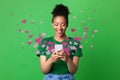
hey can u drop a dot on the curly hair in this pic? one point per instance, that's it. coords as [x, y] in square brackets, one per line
[60, 10]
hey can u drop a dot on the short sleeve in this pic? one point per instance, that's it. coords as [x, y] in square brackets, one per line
[41, 48]
[78, 51]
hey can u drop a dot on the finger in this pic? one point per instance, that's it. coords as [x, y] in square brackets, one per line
[60, 53]
[54, 53]
[57, 57]
[61, 50]
[58, 50]
[65, 54]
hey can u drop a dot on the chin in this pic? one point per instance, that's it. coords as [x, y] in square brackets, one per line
[60, 35]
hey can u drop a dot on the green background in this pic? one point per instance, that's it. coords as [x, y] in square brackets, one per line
[100, 60]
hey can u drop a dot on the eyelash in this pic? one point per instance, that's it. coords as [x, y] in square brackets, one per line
[62, 24]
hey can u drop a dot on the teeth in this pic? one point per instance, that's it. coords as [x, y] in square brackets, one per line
[59, 31]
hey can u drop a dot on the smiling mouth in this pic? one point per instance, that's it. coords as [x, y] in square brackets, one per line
[59, 31]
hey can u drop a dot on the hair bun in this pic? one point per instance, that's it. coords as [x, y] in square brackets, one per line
[60, 9]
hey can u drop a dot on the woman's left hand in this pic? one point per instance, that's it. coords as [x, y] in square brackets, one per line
[63, 56]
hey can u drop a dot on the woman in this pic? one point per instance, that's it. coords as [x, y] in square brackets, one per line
[59, 55]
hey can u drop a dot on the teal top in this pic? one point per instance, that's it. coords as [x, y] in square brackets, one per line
[71, 47]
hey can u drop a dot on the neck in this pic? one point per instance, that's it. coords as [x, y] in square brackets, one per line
[60, 38]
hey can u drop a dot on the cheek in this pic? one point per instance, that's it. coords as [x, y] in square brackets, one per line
[55, 27]
[64, 28]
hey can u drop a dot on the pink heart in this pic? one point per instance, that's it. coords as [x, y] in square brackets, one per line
[24, 21]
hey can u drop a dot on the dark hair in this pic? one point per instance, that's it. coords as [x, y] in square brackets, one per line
[60, 10]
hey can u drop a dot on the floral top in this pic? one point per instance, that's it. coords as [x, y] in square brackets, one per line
[71, 46]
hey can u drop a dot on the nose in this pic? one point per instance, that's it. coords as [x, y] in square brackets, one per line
[59, 27]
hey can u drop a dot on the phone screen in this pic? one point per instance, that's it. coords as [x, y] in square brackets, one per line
[58, 47]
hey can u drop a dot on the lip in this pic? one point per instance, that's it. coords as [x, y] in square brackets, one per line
[59, 32]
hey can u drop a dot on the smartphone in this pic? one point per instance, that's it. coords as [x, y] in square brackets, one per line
[58, 47]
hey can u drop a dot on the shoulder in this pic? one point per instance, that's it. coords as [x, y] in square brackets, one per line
[75, 39]
[47, 39]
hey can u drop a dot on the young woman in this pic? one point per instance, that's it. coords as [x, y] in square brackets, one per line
[59, 55]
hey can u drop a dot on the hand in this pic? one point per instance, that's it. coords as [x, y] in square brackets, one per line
[63, 56]
[54, 57]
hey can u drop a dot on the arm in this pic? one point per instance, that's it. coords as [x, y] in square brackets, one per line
[47, 64]
[73, 64]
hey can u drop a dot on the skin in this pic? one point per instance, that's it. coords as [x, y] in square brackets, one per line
[59, 26]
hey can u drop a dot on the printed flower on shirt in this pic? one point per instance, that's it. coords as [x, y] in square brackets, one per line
[67, 51]
[49, 49]
[70, 42]
[38, 40]
[75, 43]
[38, 52]
[78, 39]
[73, 48]
[80, 46]
[52, 50]
[51, 43]
[43, 45]
[64, 43]
[48, 52]
[50, 46]
[45, 41]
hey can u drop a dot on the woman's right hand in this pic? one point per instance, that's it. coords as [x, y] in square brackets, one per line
[47, 64]
[54, 57]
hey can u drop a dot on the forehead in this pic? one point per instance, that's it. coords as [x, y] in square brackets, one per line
[59, 19]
